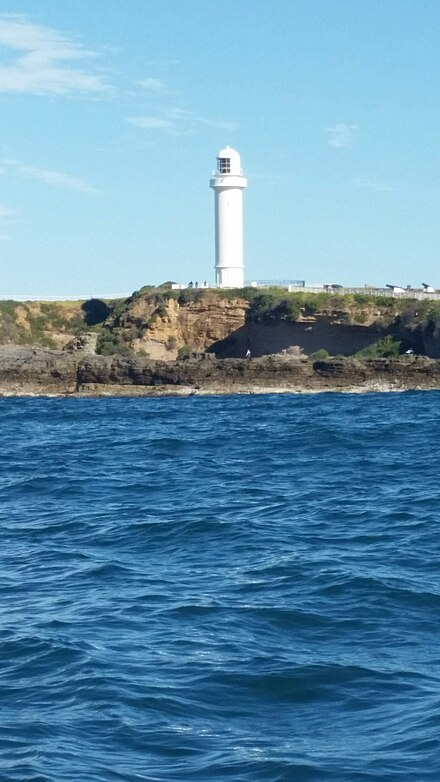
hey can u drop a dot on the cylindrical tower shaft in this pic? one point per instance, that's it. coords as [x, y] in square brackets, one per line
[228, 185]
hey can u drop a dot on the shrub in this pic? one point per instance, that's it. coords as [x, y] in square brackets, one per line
[386, 347]
[161, 311]
[286, 310]
[313, 302]
[8, 307]
[320, 355]
[429, 313]
[385, 301]
[110, 343]
[190, 294]
[261, 306]
[268, 305]
[183, 352]
[362, 298]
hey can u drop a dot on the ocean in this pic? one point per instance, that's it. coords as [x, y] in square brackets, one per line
[220, 588]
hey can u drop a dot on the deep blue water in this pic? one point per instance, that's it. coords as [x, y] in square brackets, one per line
[239, 588]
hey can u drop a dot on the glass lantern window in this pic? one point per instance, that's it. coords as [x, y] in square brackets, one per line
[224, 165]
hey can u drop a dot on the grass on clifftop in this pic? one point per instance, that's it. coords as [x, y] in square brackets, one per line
[49, 324]
[273, 302]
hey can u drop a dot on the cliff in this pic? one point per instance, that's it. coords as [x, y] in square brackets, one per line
[163, 324]
[160, 326]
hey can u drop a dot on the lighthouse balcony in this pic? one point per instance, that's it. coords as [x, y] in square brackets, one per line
[226, 172]
[228, 180]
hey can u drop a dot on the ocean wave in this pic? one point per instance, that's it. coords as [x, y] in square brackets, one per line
[240, 588]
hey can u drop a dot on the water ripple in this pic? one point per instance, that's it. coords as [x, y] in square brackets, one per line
[240, 588]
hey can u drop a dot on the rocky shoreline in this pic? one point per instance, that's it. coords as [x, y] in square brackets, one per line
[26, 371]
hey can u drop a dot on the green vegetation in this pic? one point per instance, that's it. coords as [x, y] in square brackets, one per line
[35, 323]
[265, 306]
[280, 304]
[429, 317]
[386, 347]
[8, 330]
[320, 355]
[110, 343]
[49, 324]
[8, 308]
[188, 295]
[183, 352]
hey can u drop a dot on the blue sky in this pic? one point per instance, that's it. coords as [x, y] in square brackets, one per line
[112, 112]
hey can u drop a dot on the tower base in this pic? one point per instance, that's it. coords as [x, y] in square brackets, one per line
[229, 277]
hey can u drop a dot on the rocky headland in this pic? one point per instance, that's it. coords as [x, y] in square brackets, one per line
[162, 341]
[165, 324]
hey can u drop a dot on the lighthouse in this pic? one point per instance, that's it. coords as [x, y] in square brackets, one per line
[228, 184]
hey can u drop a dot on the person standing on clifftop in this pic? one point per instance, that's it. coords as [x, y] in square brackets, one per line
[248, 353]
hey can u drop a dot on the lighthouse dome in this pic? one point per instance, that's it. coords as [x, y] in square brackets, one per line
[228, 162]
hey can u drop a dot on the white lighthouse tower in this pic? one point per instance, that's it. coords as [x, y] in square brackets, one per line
[228, 185]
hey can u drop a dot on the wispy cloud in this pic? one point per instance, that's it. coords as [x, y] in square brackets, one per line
[156, 86]
[179, 121]
[161, 63]
[150, 122]
[47, 62]
[56, 179]
[373, 184]
[7, 217]
[341, 135]
[182, 115]
[50, 177]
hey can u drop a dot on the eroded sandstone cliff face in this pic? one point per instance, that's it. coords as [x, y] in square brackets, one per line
[160, 330]
[161, 323]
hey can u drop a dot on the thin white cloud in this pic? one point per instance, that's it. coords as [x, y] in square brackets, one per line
[217, 123]
[57, 179]
[150, 122]
[7, 215]
[341, 135]
[161, 63]
[157, 86]
[182, 115]
[47, 62]
[373, 184]
[177, 121]
[50, 177]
